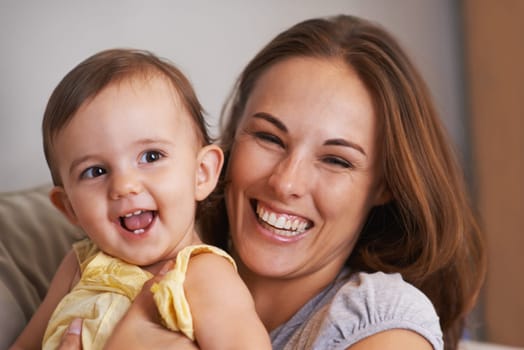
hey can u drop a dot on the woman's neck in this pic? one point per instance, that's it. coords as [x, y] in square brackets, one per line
[278, 299]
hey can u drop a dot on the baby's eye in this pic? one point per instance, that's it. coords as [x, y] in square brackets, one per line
[267, 137]
[337, 161]
[92, 172]
[150, 156]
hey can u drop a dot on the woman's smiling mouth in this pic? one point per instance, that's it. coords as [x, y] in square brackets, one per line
[281, 224]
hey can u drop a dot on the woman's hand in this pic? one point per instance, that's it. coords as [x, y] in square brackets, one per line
[71, 340]
[140, 328]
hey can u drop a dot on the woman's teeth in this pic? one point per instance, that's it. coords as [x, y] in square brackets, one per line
[282, 224]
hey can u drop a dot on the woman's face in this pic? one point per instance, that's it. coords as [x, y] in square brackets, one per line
[303, 171]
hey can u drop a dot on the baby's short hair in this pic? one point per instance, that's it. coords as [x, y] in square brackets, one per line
[95, 73]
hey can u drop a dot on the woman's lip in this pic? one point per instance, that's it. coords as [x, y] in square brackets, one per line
[273, 236]
[280, 219]
[255, 202]
[284, 233]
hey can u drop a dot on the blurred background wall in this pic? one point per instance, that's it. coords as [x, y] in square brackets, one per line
[211, 41]
[494, 51]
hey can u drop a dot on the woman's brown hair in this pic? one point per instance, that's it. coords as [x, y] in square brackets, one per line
[428, 231]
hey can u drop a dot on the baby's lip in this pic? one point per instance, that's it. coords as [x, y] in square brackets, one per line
[137, 221]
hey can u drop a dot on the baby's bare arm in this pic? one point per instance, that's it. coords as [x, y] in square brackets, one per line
[32, 335]
[223, 311]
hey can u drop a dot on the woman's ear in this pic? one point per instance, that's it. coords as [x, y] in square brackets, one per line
[60, 200]
[383, 194]
[209, 163]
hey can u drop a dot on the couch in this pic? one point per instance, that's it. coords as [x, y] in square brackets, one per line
[34, 239]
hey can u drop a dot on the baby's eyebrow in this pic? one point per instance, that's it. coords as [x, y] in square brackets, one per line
[152, 141]
[345, 143]
[75, 163]
[272, 119]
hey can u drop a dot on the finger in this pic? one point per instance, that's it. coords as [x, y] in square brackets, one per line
[71, 340]
[144, 306]
[167, 266]
[146, 288]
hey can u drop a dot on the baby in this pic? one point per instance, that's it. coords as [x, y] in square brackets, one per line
[130, 158]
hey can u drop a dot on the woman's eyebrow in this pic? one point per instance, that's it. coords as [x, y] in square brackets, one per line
[345, 143]
[331, 142]
[273, 120]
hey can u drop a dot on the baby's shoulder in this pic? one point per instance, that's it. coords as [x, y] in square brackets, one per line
[207, 256]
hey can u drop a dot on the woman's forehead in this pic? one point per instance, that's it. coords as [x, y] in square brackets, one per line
[318, 94]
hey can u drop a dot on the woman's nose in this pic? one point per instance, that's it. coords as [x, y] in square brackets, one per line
[124, 184]
[290, 178]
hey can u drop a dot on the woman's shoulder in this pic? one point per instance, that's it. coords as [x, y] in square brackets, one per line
[368, 303]
[356, 307]
[379, 289]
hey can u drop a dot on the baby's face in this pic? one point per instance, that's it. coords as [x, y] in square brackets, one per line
[128, 164]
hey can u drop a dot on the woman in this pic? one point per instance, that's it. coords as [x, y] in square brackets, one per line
[343, 197]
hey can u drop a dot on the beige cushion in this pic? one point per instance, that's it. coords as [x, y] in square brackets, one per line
[34, 238]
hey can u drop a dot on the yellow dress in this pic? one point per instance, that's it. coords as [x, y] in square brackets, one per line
[107, 288]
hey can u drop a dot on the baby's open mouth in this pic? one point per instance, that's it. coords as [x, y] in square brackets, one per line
[137, 222]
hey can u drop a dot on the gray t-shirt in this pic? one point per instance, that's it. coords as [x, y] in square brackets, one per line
[353, 308]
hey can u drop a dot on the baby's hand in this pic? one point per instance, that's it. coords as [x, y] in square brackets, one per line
[71, 340]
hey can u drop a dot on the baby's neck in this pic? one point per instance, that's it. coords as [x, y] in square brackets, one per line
[155, 268]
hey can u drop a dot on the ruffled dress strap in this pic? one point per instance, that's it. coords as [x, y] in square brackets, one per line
[104, 273]
[85, 250]
[104, 293]
[169, 292]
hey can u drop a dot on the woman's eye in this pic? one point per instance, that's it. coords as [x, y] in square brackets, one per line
[150, 156]
[267, 137]
[92, 172]
[337, 161]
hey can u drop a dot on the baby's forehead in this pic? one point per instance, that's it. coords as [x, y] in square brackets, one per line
[140, 81]
[158, 80]
[151, 78]
[147, 100]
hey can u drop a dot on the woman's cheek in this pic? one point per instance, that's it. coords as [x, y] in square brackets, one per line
[248, 158]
